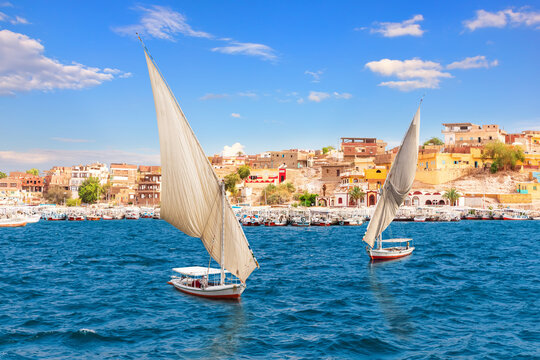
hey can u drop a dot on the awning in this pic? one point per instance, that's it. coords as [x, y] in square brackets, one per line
[396, 240]
[198, 271]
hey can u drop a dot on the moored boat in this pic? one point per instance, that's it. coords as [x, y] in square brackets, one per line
[12, 222]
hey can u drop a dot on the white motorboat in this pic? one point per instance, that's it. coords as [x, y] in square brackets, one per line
[202, 281]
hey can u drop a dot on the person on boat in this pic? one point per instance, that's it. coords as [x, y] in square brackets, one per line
[204, 282]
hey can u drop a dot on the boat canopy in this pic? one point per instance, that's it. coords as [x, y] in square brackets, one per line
[396, 240]
[198, 271]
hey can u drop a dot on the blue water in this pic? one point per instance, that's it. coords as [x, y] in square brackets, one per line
[99, 290]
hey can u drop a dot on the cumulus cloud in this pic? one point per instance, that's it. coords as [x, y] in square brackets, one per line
[236, 115]
[318, 96]
[233, 150]
[393, 29]
[316, 75]
[413, 73]
[503, 18]
[474, 62]
[250, 49]
[160, 22]
[23, 67]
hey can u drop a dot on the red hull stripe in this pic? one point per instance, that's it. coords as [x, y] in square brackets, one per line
[388, 257]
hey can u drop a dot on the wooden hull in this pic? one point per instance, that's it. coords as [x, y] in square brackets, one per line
[212, 292]
[390, 253]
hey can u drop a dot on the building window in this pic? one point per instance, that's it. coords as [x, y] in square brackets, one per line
[443, 162]
[340, 201]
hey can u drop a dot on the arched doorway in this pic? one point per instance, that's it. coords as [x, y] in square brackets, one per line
[441, 202]
[428, 202]
[371, 200]
[415, 201]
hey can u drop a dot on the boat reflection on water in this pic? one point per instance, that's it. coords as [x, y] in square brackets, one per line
[395, 313]
[224, 342]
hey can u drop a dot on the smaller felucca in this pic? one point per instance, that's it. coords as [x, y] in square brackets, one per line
[396, 187]
[194, 201]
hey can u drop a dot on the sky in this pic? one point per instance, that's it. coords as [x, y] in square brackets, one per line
[257, 76]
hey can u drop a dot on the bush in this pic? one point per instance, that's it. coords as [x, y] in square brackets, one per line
[90, 190]
[504, 156]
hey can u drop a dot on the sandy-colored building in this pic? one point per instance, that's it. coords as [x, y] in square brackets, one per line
[361, 147]
[471, 134]
[57, 176]
[148, 190]
[528, 141]
[293, 159]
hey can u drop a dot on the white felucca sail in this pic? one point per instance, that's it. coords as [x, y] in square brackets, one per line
[398, 183]
[191, 195]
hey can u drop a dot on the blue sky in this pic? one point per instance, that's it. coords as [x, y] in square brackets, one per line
[269, 75]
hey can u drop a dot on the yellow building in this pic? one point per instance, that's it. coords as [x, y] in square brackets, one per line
[530, 187]
[438, 167]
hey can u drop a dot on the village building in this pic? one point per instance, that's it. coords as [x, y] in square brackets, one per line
[361, 147]
[58, 176]
[123, 177]
[148, 190]
[293, 159]
[10, 190]
[468, 134]
[528, 141]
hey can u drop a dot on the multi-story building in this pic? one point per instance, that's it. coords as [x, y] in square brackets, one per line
[79, 174]
[58, 176]
[10, 190]
[361, 147]
[29, 182]
[149, 186]
[292, 159]
[468, 134]
[123, 176]
[528, 141]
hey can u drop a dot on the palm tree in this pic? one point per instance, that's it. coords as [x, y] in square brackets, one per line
[357, 195]
[451, 195]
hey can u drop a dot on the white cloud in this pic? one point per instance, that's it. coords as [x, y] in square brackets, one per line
[71, 140]
[316, 75]
[13, 20]
[345, 96]
[318, 96]
[249, 94]
[23, 67]
[236, 115]
[46, 158]
[233, 150]
[407, 27]
[503, 18]
[161, 22]
[250, 49]
[211, 96]
[474, 62]
[413, 73]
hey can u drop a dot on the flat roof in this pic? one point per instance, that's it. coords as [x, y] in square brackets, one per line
[198, 271]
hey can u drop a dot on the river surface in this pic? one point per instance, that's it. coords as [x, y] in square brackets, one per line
[98, 290]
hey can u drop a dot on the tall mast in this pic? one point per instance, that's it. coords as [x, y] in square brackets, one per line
[222, 232]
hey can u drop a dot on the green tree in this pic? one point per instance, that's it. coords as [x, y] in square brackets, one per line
[357, 195]
[434, 141]
[307, 199]
[105, 189]
[90, 190]
[230, 182]
[274, 195]
[2, 175]
[57, 194]
[33, 171]
[503, 156]
[243, 171]
[451, 195]
[73, 202]
[326, 149]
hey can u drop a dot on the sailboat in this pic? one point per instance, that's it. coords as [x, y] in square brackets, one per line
[396, 187]
[195, 202]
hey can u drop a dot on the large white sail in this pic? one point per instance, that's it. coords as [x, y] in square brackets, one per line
[398, 182]
[191, 197]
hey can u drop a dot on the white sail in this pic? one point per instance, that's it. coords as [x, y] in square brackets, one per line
[191, 197]
[398, 183]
